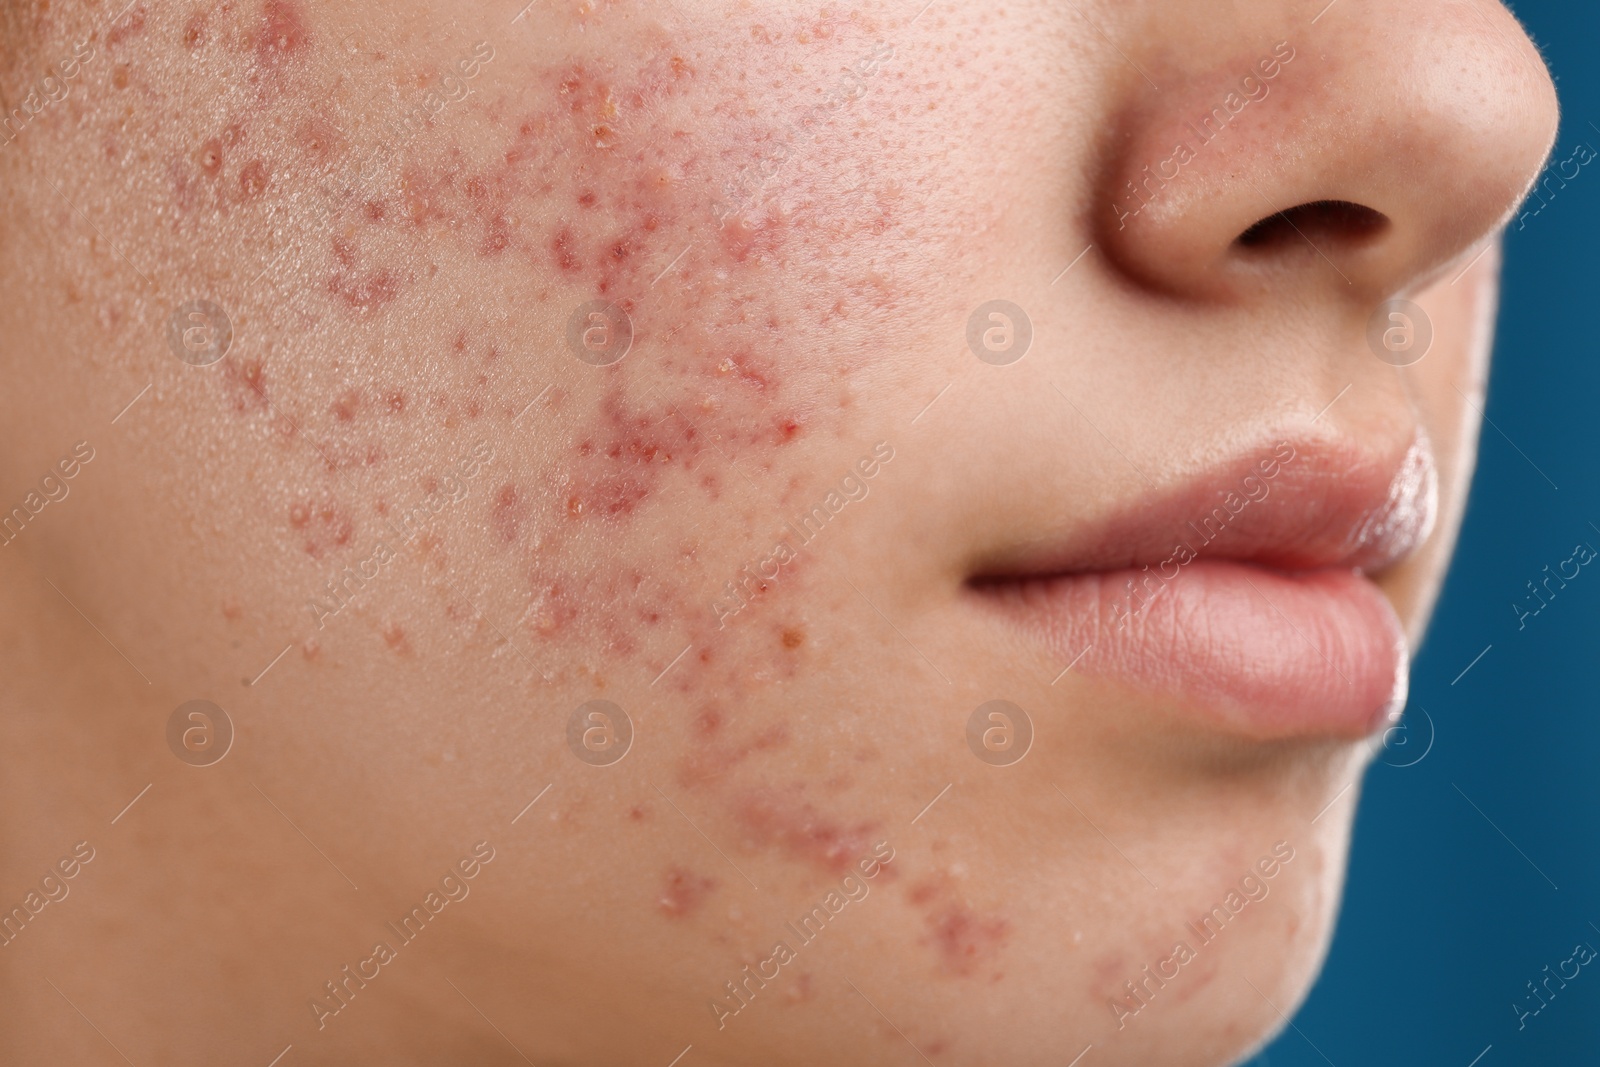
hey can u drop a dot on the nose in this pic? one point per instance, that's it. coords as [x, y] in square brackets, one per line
[1365, 153]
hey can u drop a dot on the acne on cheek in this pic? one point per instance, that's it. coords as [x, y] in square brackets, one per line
[587, 180]
[965, 942]
[580, 197]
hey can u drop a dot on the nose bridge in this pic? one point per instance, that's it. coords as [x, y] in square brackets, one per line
[1357, 151]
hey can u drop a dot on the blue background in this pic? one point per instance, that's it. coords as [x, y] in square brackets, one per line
[1444, 921]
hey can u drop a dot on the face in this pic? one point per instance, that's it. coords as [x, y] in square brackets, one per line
[820, 534]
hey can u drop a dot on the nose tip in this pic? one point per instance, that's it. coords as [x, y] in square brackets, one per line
[1365, 155]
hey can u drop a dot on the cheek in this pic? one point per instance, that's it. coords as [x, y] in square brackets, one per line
[632, 271]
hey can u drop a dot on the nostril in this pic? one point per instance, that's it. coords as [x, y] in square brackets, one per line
[1331, 221]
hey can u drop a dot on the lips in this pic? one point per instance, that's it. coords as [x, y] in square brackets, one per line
[1241, 593]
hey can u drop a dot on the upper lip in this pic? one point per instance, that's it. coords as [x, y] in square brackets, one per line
[1334, 504]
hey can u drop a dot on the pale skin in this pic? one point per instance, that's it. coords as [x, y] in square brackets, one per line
[798, 249]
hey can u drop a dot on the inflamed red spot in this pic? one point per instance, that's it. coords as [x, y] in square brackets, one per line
[743, 237]
[253, 179]
[395, 637]
[344, 250]
[210, 157]
[783, 820]
[966, 941]
[564, 246]
[194, 31]
[318, 138]
[345, 407]
[683, 892]
[508, 512]
[498, 237]
[132, 25]
[247, 381]
[322, 526]
[283, 34]
[708, 722]
[365, 292]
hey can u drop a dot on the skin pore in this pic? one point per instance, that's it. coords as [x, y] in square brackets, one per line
[409, 522]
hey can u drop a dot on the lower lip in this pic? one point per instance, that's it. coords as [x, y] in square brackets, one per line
[1239, 647]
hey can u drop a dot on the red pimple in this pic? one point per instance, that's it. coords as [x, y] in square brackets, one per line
[253, 179]
[782, 820]
[740, 365]
[318, 138]
[322, 524]
[564, 246]
[366, 292]
[194, 31]
[743, 237]
[430, 546]
[612, 496]
[283, 33]
[708, 722]
[210, 157]
[131, 26]
[395, 402]
[497, 238]
[554, 608]
[507, 514]
[587, 198]
[683, 892]
[418, 198]
[395, 637]
[344, 409]
[375, 210]
[966, 940]
[248, 381]
[344, 250]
